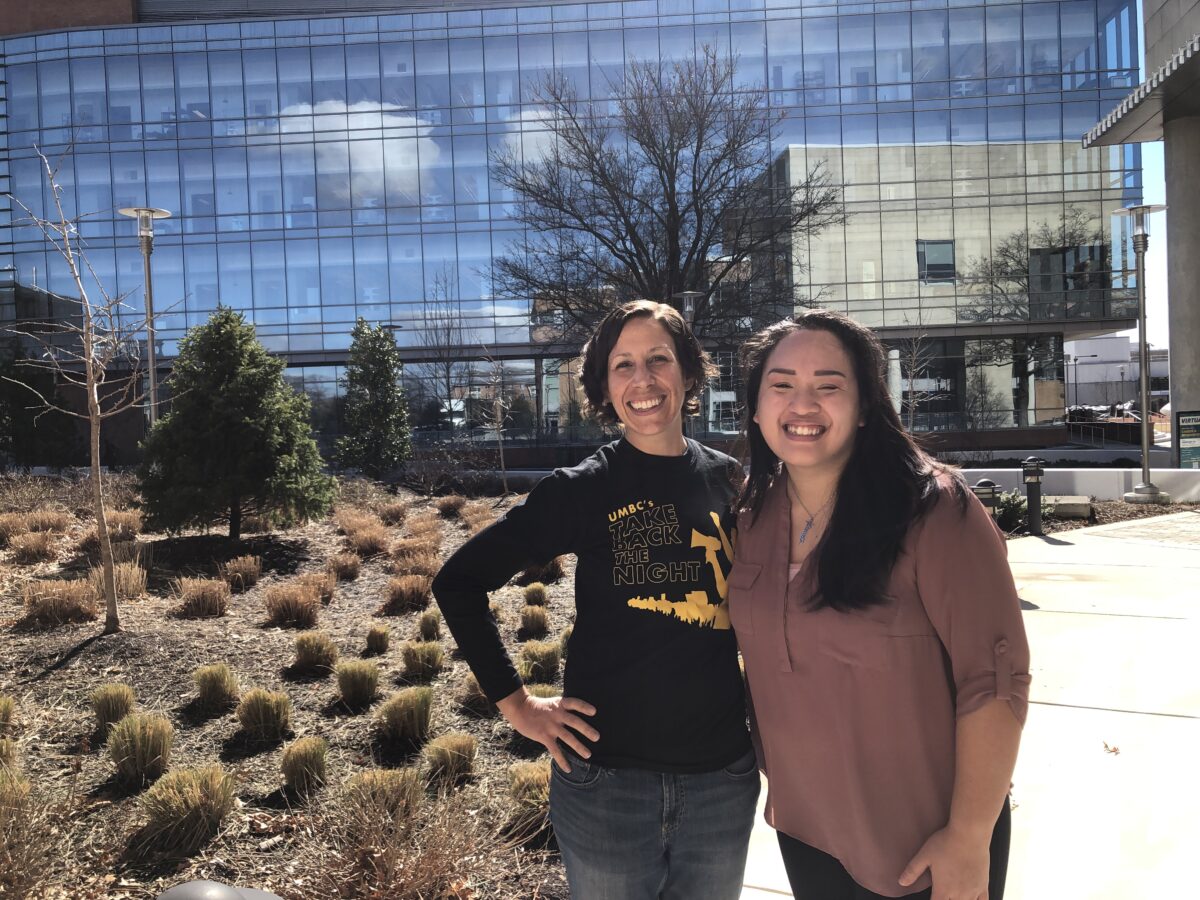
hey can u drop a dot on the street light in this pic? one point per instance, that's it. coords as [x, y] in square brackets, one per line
[1075, 360]
[1146, 492]
[145, 216]
[688, 303]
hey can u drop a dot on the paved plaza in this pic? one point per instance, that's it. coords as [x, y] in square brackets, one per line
[1106, 791]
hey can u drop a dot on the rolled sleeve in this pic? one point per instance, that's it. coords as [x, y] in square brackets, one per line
[968, 593]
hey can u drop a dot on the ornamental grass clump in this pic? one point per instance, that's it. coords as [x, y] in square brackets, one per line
[111, 703]
[358, 682]
[58, 601]
[422, 659]
[48, 520]
[185, 809]
[539, 661]
[242, 572]
[535, 594]
[349, 520]
[34, 547]
[413, 547]
[407, 593]
[385, 798]
[202, 598]
[429, 626]
[393, 513]
[130, 579]
[564, 639]
[216, 686]
[11, 525]
[474, 700]
[344, 566]
[534, 622]
[450, 506]
[292, 605]
[529, 783]
[369, 541]
[8, 760]
[426, 525]
[543, 691]
[8, 714]
[140, 747]
[315, 652]
[404, 717]
[320, 584]
[265, 716]
[450, 758]
[547, 573]
[378, 639]
[303, 765]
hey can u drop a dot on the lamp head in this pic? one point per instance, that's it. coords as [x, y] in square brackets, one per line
[145, 216]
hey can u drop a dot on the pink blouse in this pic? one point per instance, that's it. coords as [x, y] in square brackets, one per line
[854, 713]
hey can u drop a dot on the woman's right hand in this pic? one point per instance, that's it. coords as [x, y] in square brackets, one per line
[549, 720]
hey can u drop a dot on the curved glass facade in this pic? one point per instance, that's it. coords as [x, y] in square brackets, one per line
[321, 169]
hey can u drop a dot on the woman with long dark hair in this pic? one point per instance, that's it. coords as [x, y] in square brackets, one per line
[654, 782]
[880, 629]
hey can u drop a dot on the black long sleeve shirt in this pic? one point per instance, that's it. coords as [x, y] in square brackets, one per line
[652, 648]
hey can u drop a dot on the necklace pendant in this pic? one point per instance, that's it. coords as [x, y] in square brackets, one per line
[805, 530]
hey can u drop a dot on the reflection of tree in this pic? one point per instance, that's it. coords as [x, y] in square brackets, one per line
[984, 405]
[442, 338]
[916, 362]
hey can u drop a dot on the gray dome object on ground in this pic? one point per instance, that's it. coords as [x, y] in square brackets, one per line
[213, 890]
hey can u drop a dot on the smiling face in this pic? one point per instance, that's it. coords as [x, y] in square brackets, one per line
[645, 385]
[808, 402]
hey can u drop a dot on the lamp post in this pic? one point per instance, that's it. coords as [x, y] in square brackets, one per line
[985, 489]
[1032, 470]
[687, 302]
[1075, 360]
[145, 216]
[1146, 491]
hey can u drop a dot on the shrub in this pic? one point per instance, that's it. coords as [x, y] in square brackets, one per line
[378, 639]
[216, 686]
[140, 747]
[34, 547]
[406, 593]
[8, 714]
[535, 594]
[534, 622]
[304, 764]
[358, 680]
[450, 758]
[564, 639]
[422, 659]
[130, 579]
[369, 541]
[48, 520]
[393, 513]
[292, 604]
[186, 807]
[111, 703]
[385, 796]
[265, 716]
[474, 700]
[55, 601]
[404, 718]
[529, 782]
[315, 652]
[450, 505]
[242, 572]
[429, 626]
[202, 598]
[343, 566]
[539, 662]
[547, 574]
[319, 584]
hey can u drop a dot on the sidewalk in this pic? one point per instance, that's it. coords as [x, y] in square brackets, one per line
[1113, 615]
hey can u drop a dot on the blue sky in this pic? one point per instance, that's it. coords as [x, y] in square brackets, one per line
[1154, 191]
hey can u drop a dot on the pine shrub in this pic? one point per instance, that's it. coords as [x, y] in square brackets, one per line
[315, 652]
[130, 579]
[393, 513]
[185, 808]
[358, 681]
[216, 686]
[34, 547]
[534, 622]
[535, 594]
[265, 716]
[474, 700]
[140, 747]
[378, 639]
[111, 703]
[242, 572]
[292, 604]
[344, 566]
[422, 659]
[547, 573]
[529, 783]
[404, 717]
[450, 506]
[320, 584]
[450, 758]
[57, 601]
[8, 714]
[407, 593]
[429, 626]
[304, 764]
[539, 662]
[369, 541]
[202, 598]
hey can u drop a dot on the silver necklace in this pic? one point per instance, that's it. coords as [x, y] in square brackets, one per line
[811, 515]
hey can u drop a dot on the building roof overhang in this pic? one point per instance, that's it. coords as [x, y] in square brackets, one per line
[1172, 91]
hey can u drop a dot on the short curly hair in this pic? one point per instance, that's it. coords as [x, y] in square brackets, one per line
[696, 364]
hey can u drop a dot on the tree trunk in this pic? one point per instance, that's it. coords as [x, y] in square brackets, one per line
[112, 622]
[498, 413]
[235, 519]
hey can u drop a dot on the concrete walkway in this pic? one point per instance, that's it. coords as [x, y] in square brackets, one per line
[1107, 790]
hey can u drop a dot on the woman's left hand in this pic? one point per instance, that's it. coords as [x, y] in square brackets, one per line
[957, 862]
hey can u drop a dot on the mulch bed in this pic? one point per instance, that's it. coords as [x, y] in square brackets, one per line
[1106, 512]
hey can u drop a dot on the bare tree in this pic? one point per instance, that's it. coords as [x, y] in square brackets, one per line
[669, 187]
[86, 349]
[442, 338]
[916, 355]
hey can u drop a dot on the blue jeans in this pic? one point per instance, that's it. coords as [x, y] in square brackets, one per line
[632, 834]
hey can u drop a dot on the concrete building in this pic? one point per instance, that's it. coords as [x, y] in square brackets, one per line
[1105, 371]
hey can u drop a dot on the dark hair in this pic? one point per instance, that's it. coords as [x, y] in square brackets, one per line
[695, 362]
[888, 482]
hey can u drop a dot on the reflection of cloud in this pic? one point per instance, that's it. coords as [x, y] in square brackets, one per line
[399, 156]
[532, 130]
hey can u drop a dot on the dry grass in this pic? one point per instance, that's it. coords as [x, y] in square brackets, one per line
[450, 506]
[124, 525]
[130, 579]
[564, 639]
[28, 837]
[474, 700]
[358, 681]
[535, 594]
[185, 809]
[320, 584]
[534, 622]
[393, 513]
[216, 686]
[11, 525]
[529, 783]
[303, 765]
[111, 703]
[57, 601]
[407, 593]
[10, 761]
[48, 520]
[496, 608]
[543, 691]
[378, 639]
[429, 626]
[385, 796]
[425, 566]
[35, 547]
[350, 519]
[315, 652]
[427, 525]
[547, 574]
[134, 552]
[404, 718]
[292, 605]
[539, 661]
[344, 566]
[202, 598]
[140, 747]
[369, 541]
[265, 716]
[8, 714]
[422, 659]
[450, 758]
[242, 572]
[413, 548]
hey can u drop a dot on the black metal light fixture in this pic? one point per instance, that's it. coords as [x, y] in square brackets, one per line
[985, 489]
[1032, 470]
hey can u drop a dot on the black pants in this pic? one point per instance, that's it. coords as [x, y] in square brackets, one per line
[818, 876]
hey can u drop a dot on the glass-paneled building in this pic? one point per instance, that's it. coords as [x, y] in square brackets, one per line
[328, 167]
